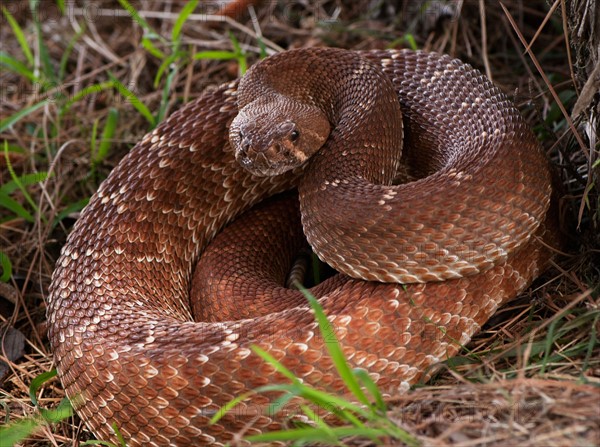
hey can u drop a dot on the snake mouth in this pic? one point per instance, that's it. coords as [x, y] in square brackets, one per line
[275, 160]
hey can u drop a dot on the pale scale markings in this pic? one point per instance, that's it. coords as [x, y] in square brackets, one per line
[151, 195]
[122, 207]
[386, 62]
[301, 347]
[342, 319]
[465, 337]
[233, 336]
[150, 371]
[242, 353]
[436, 76]
[432, 358]
[209, 351]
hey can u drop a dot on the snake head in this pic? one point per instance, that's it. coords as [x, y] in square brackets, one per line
[274, 134]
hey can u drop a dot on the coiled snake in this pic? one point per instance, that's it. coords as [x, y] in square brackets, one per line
[459, 236]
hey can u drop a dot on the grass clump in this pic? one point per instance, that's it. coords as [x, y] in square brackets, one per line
[366, 419]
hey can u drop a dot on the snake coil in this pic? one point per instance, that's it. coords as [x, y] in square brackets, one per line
[464, 236]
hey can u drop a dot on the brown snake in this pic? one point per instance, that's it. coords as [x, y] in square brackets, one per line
[126, 345]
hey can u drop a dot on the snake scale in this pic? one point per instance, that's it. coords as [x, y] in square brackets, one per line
[440, 252]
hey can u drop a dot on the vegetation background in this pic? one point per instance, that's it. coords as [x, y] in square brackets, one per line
[81, 82]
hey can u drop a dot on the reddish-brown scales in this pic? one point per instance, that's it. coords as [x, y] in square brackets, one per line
[126, 346]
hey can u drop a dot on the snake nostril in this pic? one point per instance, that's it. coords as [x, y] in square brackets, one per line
[274, 149]
[244, 148]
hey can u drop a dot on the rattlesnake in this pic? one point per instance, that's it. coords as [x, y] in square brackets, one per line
[126, 346]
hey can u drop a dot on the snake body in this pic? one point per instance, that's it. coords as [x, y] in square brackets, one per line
[465, 236]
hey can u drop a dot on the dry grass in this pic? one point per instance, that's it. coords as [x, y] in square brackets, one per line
[531, 377]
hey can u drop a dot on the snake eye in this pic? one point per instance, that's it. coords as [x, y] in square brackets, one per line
[294, 136]
[241, 135]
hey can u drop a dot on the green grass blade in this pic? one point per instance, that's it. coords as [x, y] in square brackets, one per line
[151, 48]
[280, 403]
[329, 402]
[263, 48]
[240, 54]
[165, 64]
[67, 53]
[12, 434]
[93, 142]
[590, 345]
[89, 90]
[164, 101]
[18, 32]
[410, 40]
[14, 207]
[315, 434]
[276, 363]
[20, 185]
[24, 180]
[407, 38]
[135, 16]
[6, 266]
[366, 380]
[60, 413]
[228, 406]
[315, 418]
[215, 54]
[44, 54]
[149, 33]
[107, 443]
[134, 100]
[333, 403]
[37, 383]
[335, 350]
[9, 121]
[17, 66]
[16, 149]
[107, 135]
[549, 341]
[182, 18]
[119, 435]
